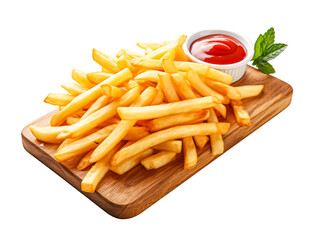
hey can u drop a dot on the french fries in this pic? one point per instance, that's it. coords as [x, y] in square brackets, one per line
[142, 108]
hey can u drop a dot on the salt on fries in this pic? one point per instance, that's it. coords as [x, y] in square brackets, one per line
[142, 109]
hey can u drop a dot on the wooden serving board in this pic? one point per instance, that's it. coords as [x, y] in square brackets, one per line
[130, 194]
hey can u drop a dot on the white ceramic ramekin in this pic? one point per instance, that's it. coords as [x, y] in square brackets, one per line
[236, 70]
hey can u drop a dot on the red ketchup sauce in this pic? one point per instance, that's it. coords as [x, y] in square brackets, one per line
[218, 49]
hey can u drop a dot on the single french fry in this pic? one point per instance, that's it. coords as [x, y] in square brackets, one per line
[128, 53]
[159, 98]
[124, 62]
[123, 127]
[110, 121]
[150, 75]
[80, 78]
[87, 97]
[112, 91]
[171, 146]
[249, 90]
[158, 160]
[47, 134]
[202, 88]
[167, 86]
[169, 66]
[98, 77]
[98, 170]
[131, 162]
[169, 134]
[58, 99]
[201, 69]
[84, 144]
[93, 120]
[84, 162]
[217, 144]
[219, 76]
[99, 103]
[136, 133]
[185, 89]
[180, 55]
[221, 109]
[149, 112]
[170, 54]
[130, 85]
[153, 46]
[73, 88]
[241, 115]
[223, 88]
[72, 120]
[190, 153]
[177, 119]
[105, 61]
[201, 140]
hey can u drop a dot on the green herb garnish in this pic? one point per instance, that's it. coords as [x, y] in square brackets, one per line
[265, 50]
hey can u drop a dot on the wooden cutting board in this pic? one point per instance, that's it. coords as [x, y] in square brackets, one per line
[130, 194]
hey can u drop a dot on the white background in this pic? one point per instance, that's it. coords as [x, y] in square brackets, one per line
[257, 190]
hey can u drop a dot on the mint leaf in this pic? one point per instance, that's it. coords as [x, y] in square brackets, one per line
[269, 37]
[265, 50]
[264, 67]
[273, 51]
[258, 51]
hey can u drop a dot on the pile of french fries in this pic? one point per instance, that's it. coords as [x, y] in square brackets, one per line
[142, 109]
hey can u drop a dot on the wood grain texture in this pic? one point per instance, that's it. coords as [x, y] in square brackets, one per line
[130, 194]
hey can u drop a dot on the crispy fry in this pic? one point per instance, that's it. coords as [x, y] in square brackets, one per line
[80, 78]
[112, 91]
[123, 127]
[221, 109]
[202, 88]
[217, 144]
[131, 162]
[180, 55]
[170, 54]
[185, 89]
[87, 97]
[74, 89]
[98, 77]
[223, 88]
[219, 76]
[167, 86]
[84, 162]
[169, 134]
[177, 119]
[150, 75]
[128, 53]
[105, 61]
[149, 112]
[158, 160]
[136, 133]
[92, 121]
[190, 153]
[242, 116]
[72, 120]
[58, 99]
[99, 103]
[169, 66]
[201, 140]
[153, 46]
[47, 134]
[159, 98]
[171, 146]
[98, 170]
[249, 90]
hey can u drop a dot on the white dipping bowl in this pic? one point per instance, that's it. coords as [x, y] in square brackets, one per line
[236, 70]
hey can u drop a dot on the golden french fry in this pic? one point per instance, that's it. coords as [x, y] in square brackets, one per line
[219, 76]
[124, 62]
[171, 146]
[166, 85]
[201, 69]
[74, 89]
[150, 75]
[58, 99]
[98, 77]
[170, 54]
[128, 53]
[99, 103]
[83, 145]
[169, 134]
[158, 160]
[249, 90]
[123, 127]
[185, 89]
[93, 120]
[153, 46]
[169, 66]
[242, 116]
[84, 162]
[112, 91]
[177, 119]
[80, 78]
[130, 84]
[221, 109]
[87, 97]
[217, 144]
[201, 141]
[136, 133]
[180, 55]
[223, 88]
[72, 120]
[149, 112]
[47, 134]
[98, 170]
[202, 88]
[159, 98]
[105, 61]
[190, 153]
[131, 162]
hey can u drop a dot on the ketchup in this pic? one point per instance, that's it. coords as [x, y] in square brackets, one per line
[218, 49]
